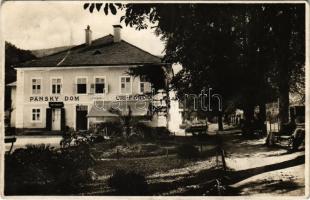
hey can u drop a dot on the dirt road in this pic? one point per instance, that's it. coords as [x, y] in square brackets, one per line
[261, 170]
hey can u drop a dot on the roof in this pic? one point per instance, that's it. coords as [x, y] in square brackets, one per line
[102, 52]
[138, 108]
[13, 84]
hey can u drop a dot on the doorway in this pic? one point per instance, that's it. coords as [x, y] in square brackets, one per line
[56, 119]
[81, 117]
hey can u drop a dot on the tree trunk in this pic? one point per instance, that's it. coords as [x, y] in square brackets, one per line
[262, 117]
[283, 31]
[220, 121]
[283, 105]
[248, 120]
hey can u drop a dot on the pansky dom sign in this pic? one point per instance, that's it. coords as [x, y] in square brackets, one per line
[77, 98]
[53, 98]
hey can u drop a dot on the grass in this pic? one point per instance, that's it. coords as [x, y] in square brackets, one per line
[146, 166]
[147, 157]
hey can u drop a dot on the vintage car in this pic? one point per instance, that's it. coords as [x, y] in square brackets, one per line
[195, 127]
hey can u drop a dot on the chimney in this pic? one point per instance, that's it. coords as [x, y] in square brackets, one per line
[117, 33]
[88, 36]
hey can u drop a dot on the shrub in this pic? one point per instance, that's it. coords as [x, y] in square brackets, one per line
[113, 128]
[27, 170]
[128, 183]
[162, 133]
[68, 135]
[134, 138]
[187, 151]
[152, 132]
[42, 170]
[143, 130]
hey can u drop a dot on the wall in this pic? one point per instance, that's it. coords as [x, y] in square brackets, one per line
[25, 100]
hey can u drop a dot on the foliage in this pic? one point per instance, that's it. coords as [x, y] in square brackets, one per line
[250, 55]
[13, 56]
[126, 119]
[151, 133]
[187, 151]
[159, 77]
[113, 128]
[155, 74]
[144, 130]
[42, 170]
[106, 8]
[72, 137]
[128, 183]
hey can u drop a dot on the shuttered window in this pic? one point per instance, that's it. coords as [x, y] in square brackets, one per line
[81, 86]
[99, 85]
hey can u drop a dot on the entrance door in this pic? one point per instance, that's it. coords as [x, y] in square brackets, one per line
[81, 118]
[56, 119]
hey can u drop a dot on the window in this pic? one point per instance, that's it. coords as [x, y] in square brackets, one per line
[81, 86]
[56, 86]
[99, 85]
[36, 114]
[143, 84]
[36, 86]
[125, 85]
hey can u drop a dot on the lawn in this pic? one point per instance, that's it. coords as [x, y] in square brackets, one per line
[157, 160]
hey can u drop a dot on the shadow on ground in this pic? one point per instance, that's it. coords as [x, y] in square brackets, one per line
[199, 183]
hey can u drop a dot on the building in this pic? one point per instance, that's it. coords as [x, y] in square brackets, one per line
[79, 86]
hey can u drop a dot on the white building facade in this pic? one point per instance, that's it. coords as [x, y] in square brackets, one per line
[80, 86]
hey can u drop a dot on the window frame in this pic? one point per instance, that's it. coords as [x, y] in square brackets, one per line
[105, 85]
[41, 84]
[76, 85]
[120, 84]
[40, 114]
[140, 92]
[61, 86]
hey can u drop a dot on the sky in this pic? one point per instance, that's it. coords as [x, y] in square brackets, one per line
[41, 25]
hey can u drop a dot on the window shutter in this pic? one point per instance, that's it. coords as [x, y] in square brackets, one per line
[74, 88]
[106, 88]
[92, 88]
[48, 119]
[147, 87]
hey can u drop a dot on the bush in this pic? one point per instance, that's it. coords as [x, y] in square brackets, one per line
[41, 170]
[162, 133]
[143, 130]
[148, 132]
[187, 151]
[128, 183]
[134, 138]
[113, 128]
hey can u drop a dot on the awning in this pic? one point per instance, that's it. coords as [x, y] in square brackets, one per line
[138, 108]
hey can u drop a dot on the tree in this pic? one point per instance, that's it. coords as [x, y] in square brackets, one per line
[243, 54]
[288, 24]
[13, 56]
